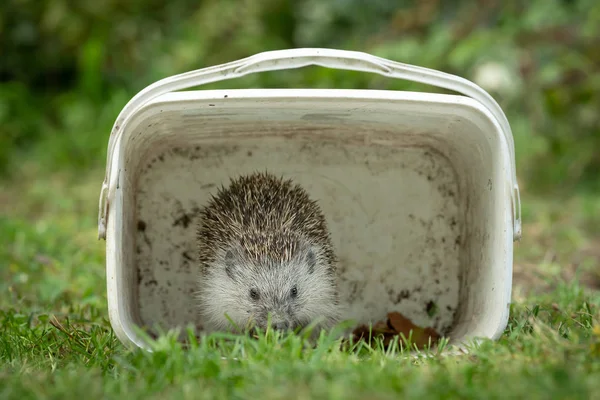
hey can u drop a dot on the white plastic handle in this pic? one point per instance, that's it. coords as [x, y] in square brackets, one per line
[297, 58]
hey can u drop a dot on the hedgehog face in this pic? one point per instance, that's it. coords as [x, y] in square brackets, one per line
[291, 293]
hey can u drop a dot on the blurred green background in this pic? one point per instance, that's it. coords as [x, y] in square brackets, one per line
[68, 67]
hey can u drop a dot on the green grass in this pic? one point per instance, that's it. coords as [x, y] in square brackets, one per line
[56, 342]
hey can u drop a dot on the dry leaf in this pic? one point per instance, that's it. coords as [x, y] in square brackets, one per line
[395, 325]
[399, 323]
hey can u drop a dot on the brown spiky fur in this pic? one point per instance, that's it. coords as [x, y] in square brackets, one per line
[262, 212]
[264, 235]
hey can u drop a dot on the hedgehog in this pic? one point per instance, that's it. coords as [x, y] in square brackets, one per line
[266, 258]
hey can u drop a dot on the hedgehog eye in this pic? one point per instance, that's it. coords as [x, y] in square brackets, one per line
[294, 292]
[254, 294]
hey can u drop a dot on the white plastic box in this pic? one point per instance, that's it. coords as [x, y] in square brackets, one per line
[419, 190]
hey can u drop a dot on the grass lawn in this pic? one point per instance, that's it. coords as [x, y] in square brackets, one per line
[56, 342]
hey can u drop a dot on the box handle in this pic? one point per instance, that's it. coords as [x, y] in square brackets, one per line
[298, 58]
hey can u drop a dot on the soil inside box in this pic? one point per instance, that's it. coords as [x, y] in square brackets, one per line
[394, 213]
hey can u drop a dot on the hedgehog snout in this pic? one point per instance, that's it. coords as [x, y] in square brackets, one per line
[280, 325]
[280, 320]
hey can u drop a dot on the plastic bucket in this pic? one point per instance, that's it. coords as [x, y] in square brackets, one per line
[419, 190]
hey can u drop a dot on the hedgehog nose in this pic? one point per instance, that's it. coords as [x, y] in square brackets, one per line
[280, 325]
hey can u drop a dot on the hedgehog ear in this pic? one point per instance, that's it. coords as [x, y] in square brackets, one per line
[311, 260]
[230, 264]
